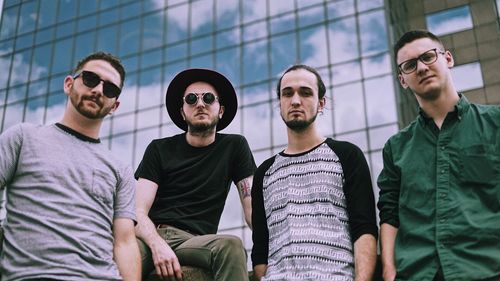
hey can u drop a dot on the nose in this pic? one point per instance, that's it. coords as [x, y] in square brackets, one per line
[421, 67]
[199, 102]
[98, 89]
[295, 100]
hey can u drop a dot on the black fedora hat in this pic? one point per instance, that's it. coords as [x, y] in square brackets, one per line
[224, 88]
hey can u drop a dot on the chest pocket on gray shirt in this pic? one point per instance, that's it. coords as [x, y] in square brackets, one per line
[103, 186]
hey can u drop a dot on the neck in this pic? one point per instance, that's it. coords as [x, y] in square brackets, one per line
[200, 139]
[304, 140]
[81, 124]
[438, 108]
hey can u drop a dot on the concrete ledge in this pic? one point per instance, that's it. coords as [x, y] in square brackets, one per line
[193, 274]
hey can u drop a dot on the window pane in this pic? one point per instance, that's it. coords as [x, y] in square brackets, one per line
[340, 8]
[311, 16]
[228, 13]
[122, 147]
[348, 107]
[202, 45]
[152, 31]
[364, 5]
[283, 53]
[84, 45]
[255, 62]
[67, 10]
[376, 65]
[313, 47]
[107, 38]
[62, 61]
[379, 136]
[177, 23]
[346, 72]
[201, 17]
[449, 21]
[282, 23]
[343, 45]
[28, 17]
[257, 136]
[467, 76]
[9, 22]
[47, 13]
[226, 63]
[381, 101]
[130, 37]
[373, 32]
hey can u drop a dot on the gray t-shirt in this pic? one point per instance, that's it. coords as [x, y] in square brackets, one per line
[62, 195]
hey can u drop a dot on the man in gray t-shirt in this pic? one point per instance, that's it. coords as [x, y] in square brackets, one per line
[70, 210]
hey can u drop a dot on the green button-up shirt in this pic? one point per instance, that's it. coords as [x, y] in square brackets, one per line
[441, 189]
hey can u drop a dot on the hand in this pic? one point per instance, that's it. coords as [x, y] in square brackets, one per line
[166, 263]
[389, 273]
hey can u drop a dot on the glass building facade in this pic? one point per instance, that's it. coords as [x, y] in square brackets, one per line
[251, 42]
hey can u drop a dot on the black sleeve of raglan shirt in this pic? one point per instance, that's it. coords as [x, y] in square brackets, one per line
[357, 189]
[260, 232]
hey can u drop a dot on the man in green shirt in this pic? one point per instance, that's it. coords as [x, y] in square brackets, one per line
[440, 186]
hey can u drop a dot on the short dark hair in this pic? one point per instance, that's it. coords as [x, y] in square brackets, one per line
[321, 85]
[411, 36]
[114, 61]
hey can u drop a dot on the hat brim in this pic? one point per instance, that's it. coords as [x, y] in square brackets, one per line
[224, 88]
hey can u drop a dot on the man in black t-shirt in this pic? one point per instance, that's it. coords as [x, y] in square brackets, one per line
[183, 182]
[313, 208]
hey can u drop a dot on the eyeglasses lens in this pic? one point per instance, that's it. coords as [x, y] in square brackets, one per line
[90, 79]
[192, 98]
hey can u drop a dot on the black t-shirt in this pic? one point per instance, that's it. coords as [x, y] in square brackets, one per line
[193, 182]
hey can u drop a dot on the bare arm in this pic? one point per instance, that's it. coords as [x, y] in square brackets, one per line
[365, 257]
[125, 250]
[259, 271]
[165, 261]
[387, 239]
[244, 190]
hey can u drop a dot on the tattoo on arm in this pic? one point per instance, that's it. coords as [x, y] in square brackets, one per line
[245, 187]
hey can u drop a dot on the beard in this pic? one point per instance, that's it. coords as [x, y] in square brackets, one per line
[78, 101]
[198, 128]
[299, 125]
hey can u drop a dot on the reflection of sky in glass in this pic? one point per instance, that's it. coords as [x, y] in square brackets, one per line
[251, 45]
[449, 21]
[467, 76]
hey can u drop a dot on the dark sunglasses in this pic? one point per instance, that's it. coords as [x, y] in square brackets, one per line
[91, 79]
[207, 98]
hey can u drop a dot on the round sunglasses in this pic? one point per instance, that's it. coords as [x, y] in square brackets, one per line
[208, 98]
[91, 79]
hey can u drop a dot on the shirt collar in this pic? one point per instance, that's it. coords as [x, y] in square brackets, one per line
[459, 110]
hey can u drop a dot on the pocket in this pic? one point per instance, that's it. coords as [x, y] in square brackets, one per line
[479, 165]
[103, 186]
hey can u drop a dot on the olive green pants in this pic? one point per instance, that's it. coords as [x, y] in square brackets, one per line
[223, 255]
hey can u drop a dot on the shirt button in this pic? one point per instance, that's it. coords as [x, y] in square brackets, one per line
[442, 171]
[443, 147]
[443, 195]
[442, 220]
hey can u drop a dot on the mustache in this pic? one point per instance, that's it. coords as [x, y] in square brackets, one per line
[94, 99]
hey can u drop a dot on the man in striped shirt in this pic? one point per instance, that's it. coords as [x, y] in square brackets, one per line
[313, 203]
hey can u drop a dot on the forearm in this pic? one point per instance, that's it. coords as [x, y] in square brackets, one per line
[387, 240]
[128, 259]
[247, 210]
[259, 271]
[146, 230]
[365, 257]
[244, 190]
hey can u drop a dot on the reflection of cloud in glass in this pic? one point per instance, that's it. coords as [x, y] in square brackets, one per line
[348, 107]
[373, 32]
[343, 45]
[314, 48]
[467, 76]
[20, 70]
[373, 66]
[380, 100]
[449, 21]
